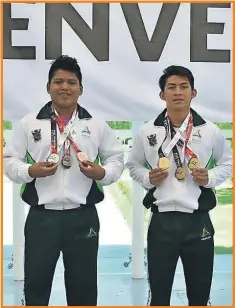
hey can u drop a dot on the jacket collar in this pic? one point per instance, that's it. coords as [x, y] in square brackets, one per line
[197, 119]
[45, 112]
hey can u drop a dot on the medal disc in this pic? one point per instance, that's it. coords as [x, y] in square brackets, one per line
[53, 158]
[66, 162]
[180, 173]
[164, 163]
[82, 157]
[193, 163]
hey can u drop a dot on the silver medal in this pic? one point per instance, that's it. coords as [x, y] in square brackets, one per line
[66, 161]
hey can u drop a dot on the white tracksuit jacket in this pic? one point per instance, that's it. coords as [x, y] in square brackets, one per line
[207, 142]
[31, 142]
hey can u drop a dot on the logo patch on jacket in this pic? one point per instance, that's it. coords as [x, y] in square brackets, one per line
[86, 131]
[197, 136]
[37, 136]
[152, 140]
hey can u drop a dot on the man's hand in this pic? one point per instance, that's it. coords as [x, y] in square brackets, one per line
[92, 170]
[200, 176]
[42, 169]
[157, 176]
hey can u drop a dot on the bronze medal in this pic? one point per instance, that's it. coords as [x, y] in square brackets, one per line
[66, 162]
[164, 163]
[193, 163]
[82, 157]
[180, 173]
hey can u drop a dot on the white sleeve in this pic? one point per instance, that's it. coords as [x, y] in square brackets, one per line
[137, 163]
[14, 156]
[222, 155]
[111, 154]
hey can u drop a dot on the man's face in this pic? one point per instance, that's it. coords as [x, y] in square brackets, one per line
[64, 89]
[178, 93]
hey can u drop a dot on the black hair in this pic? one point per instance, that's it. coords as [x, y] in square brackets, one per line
[65, 63]
[174, 70]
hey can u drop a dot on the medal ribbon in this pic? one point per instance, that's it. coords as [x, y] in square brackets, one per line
[175, 139]
[53, 135]
[187, 137]
[188, 134]
[65, 133]
[175, 150]
[69, 137]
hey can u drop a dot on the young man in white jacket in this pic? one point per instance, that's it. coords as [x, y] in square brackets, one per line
[179, 158]
[63, 156]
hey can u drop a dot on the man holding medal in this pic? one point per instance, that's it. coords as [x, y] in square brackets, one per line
[63, 156]
[179, 158]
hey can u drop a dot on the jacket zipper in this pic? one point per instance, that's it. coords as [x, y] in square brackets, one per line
[62, 189]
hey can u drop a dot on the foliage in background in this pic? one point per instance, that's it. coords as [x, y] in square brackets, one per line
[125, 188]
[225, 125]
[120, 124]
[7, 125]
[225, 196]
[128, 125]
[122, 193]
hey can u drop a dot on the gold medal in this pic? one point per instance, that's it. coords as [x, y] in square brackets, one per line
[180, 173]
[53, 158]
[164, 163]
[193, 163]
